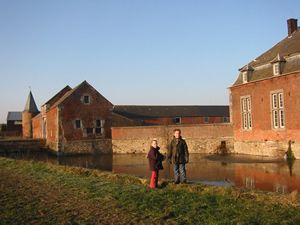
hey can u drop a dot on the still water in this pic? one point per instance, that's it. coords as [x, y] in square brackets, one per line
[243, 171]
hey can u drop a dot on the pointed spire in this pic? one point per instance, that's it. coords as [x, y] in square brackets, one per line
[30, 104]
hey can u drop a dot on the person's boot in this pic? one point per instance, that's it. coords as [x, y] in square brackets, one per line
[177, 181]
[183, 181]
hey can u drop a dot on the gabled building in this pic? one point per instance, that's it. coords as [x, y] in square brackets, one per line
[14, 122]
[75, 121]
[265, 100]
[173, 115]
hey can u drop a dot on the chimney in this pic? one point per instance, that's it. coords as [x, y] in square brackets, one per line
[292, 26]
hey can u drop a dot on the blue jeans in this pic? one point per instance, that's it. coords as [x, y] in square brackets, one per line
[182, 170]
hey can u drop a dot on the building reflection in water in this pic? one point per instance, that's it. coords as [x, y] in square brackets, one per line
[249, 172]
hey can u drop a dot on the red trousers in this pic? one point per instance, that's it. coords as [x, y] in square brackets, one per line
[154, 179]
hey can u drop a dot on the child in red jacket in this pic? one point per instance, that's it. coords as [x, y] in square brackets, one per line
[155, 162]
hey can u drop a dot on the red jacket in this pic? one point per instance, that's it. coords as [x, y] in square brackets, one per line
[155, 158]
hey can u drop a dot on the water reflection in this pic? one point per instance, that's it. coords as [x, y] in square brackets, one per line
[251, 172]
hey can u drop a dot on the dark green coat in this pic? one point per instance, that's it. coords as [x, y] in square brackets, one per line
[178, 153]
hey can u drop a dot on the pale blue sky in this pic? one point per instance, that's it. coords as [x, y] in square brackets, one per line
[134, 52]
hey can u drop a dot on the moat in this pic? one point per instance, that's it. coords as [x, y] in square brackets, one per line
[243, 171]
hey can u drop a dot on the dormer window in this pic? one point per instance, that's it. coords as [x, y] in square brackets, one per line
[276, 68]
[245, 77]
[278, 64]
[246, 72]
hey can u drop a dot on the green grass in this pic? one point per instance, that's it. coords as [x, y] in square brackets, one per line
[38, 193]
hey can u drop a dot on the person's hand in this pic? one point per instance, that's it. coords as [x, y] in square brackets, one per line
[169, 160]
[187, 159]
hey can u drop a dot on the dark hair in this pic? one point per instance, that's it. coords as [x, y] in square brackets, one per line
[177, 130]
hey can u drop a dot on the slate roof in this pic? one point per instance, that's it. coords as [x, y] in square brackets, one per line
[59, 94]
[138, 111]
[64, 97]
[287, 50]
[30, 104]
[14, 116]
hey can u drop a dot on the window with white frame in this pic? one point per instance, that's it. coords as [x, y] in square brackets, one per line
[246, 112]
[277, 108]
[276, 68]
[245, 77]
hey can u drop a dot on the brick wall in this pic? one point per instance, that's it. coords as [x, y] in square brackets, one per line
[73, 109]
[200, 138]
[262, 130]
[14, 125]
[26, 124]
[37, 127]
[261, 109]
[52, 125]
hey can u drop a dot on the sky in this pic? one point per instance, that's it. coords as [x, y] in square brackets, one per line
[134, 52]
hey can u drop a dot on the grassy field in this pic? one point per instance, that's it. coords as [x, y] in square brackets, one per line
[39, 193]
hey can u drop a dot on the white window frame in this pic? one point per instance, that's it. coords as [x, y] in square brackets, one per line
[276, 69]
[246, 112]
[277, 109]
[245, 77]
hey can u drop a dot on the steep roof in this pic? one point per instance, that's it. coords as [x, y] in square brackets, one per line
[135, 111]
[30, 104]
[13, 116]
[287, 50]
[65, 96]
[69, 93]
[61, 93]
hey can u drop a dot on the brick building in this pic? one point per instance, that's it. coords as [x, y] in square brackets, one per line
[79, 120]
[173, 115]
[265, 100]
[14, 122]
[75, 121]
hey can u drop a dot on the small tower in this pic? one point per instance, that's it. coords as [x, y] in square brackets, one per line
[29, 112]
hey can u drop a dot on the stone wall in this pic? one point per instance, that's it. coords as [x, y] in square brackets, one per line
[102, 146]
[21, 145]
[200, 138]
[266, 148]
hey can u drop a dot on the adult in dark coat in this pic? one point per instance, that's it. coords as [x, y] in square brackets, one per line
[178, 155]
[155, 163]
